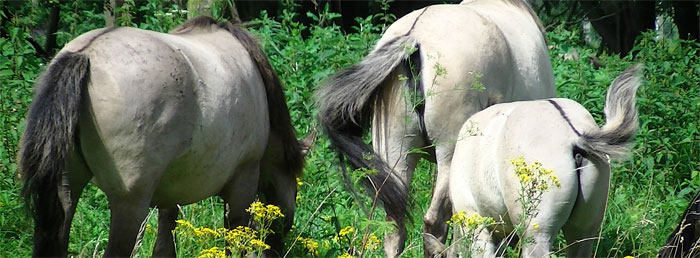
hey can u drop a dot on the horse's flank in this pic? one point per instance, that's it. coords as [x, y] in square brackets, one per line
[280, 121]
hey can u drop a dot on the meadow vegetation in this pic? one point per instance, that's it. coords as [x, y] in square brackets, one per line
[648, 193]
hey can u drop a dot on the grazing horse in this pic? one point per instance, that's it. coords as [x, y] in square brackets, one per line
[561, 135]
[156, 120]
[430, 71]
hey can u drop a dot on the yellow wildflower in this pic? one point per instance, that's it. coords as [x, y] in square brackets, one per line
[346, 231]
[264, 212]
[299, 182]
[373, 242]
[346, 255]
[470, 222]
[536, 226]
[258, 244]
[213, 252]
[309, 244]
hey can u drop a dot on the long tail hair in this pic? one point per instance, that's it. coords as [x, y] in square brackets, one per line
[345, 110]
[49, 138]
[615, 138]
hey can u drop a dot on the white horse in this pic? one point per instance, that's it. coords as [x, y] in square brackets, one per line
[430, 71]
[562, 135]
[156, 120]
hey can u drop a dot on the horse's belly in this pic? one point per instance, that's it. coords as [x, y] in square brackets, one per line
[219, 149]
[189, 180]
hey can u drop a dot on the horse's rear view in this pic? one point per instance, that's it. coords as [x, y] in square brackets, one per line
[430, 71]
[155, 120]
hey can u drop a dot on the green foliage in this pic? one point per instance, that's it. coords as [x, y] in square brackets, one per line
[648, 193]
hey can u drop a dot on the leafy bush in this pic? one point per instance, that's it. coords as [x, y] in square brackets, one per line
[651, 190]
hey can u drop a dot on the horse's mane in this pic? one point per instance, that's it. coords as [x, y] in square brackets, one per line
[280, 121]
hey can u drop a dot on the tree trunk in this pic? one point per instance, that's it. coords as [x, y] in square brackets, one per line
[620, 22]
[198, 7]
[54, 18]
[109, 6]
[230, 12]
[685, 15]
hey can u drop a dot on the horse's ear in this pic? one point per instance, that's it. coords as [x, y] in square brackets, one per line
[433, 246]
[308, 142]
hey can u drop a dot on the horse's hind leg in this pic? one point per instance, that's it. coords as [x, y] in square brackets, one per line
[71, 186]
[279, 189]
[395, 134]
[239, 193]
[440, 209]
[165, 245]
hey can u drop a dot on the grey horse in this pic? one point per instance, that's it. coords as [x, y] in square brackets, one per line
[430, 71]
[563, 136]
[156, 120]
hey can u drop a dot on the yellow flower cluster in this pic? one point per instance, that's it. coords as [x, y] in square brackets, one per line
[183, 225]
[346, 231]
[373, 243]
[244, 239]
[213, 252]
[262, 212]
[299, 182]
[309, 244]
[534, 174]
[346, 255]
[470, 222]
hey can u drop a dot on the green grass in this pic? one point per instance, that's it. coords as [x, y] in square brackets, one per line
[648, 193]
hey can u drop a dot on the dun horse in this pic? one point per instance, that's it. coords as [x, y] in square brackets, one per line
[156, 120]
[561, 135]
[430, 71]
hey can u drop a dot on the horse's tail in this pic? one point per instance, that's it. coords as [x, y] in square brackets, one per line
[345, 110]
[48, 138]
[280, 121]
[614, 139]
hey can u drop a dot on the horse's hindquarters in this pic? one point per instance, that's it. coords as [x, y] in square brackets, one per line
[170, 118]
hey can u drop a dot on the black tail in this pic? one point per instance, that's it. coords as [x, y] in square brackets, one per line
[48, 140]
[345, 109]
[613, 140]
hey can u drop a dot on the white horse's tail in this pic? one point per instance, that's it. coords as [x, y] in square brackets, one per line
[345, 109]
[48, 139]
[614, 139]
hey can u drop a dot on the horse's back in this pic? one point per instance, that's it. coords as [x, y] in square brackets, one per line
[483, 180]
[473, 57]
[167, 108]
[480, 34]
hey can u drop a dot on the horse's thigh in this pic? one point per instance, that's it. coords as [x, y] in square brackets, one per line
[394, 136]
[581, 229]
